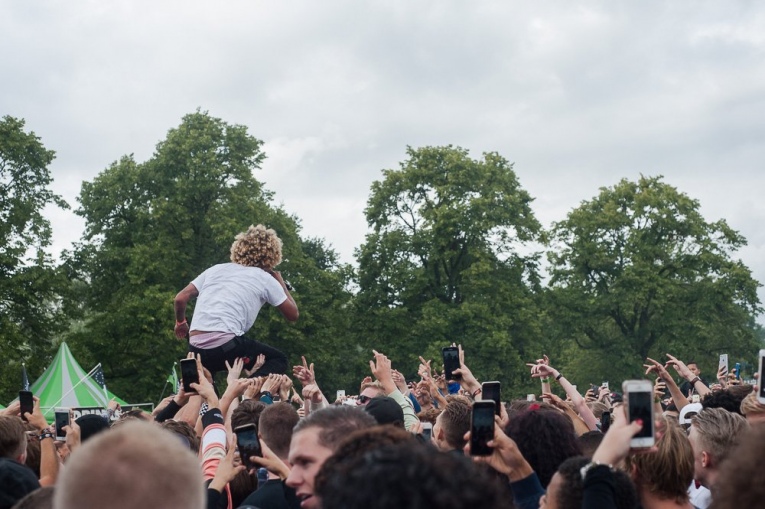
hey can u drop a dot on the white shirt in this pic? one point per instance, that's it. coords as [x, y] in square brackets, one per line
[230, 297]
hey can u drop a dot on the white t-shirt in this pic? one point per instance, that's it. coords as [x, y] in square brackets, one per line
[230, 297]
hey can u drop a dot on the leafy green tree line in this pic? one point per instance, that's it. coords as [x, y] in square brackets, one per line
[454, 253]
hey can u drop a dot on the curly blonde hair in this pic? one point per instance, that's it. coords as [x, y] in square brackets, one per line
[257, 247]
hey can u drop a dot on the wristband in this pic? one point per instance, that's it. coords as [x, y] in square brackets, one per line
[203, 409]
[557, 378]
[46, 434]
[545, 380]
[184, 322]
[476, 392]
[697, 379]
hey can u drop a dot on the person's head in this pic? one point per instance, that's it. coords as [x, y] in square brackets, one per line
[742, 482]
[136, 464]
[410, 475]
[368, 391]
[566, 488]
[186, 431]
[275, 427]
[430, 415]
[257, 247]
[589, 442]
[248, 412]
[16, 481]
[357, 444]
[92, 424]
[385, 410]
[13, 439]
[694, 368]
[41, 498]
[314, 439]
[545, 438]
[714, 432]
[597, 408]
[730, 399]
[752, 409]
[452, 424]
[666, 473]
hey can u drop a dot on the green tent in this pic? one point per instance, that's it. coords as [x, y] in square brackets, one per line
[66, 384]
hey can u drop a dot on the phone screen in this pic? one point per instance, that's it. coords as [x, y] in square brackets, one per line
[481, 428]
[639, 405]
[451, 362]
[723, 365]
[491, 390]
[26, 403]
[427, 431]
[605, 422]
[189, 374]
[61, 420]
[760, 383]
[248, 443]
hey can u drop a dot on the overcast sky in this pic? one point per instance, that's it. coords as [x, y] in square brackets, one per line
[577, 94]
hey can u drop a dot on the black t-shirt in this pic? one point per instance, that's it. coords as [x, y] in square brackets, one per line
[274, 494]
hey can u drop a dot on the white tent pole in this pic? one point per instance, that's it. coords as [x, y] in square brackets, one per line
[74, 387]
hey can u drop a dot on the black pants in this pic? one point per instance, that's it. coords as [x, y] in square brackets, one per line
[214, 359]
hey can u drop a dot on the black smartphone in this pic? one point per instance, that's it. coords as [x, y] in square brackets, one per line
[451, 356]
[61, 418]
[248, 444]
[189, 374]
[639, 396]
[605, 422]
[491, 390]
[760, 383]
[482, 428]
[26, 403]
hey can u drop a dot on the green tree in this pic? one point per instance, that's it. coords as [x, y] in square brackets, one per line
[29, 282]
[152, 227]
[442, 263]
[637, 271]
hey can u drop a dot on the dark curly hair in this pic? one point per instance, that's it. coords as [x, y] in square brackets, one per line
[546, 438]
[413, 476]
[729, 399]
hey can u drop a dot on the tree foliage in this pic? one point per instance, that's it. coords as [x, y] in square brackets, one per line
[442, 264]
[29, 282]
[637, 271]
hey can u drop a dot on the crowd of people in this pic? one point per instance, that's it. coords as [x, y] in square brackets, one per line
[392, 445]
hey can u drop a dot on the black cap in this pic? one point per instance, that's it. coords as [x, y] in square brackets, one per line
[385, 410]
[90, 425]
[16, 481]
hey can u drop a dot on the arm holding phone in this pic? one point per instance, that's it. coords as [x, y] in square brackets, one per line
[545, 370]
[48, 458]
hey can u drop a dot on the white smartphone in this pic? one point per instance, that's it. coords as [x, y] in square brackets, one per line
[760, 385]
[340, 393]
[639, 397]
[723, 364]
[604, 384]
[427, 431]
[531, 397]
[62, 418]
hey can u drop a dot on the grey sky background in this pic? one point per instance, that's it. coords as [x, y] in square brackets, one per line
[577, 95]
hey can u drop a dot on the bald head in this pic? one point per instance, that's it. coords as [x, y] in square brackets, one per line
[136, 465]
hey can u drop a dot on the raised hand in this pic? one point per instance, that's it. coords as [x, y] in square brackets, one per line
[304, 373]
[505, 458]
[381, 369]
[424, 370]
[259, 361]
[254, 388]
[657, 368]
[271, 384]
[284, 388]
[226, 471]
[400, 382]
[680, 367]
[235, 370]
[312, 393]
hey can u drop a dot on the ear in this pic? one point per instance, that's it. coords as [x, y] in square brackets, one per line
[706, 459]
[440, 434]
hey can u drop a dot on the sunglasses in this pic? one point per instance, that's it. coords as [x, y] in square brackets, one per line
[363, 400]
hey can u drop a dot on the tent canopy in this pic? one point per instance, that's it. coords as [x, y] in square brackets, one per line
[66, 384]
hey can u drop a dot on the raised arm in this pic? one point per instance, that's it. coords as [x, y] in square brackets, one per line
[180, 303]
[545, 371]
[288, 308]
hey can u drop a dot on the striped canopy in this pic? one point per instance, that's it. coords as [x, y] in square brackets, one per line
[66, 384]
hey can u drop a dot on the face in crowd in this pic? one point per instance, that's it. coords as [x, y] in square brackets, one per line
[306, 456]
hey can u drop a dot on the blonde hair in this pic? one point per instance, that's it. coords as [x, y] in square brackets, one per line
[719, 431]
[750, 405]
[257, 247]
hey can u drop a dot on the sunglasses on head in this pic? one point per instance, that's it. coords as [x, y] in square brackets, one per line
[363, 400]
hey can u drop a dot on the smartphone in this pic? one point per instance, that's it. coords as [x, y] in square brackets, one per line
[26, 403]
[427, 431]
[604, 384]
[738, 371]
[61, 418]
[531, 397]
[451, 356]
[189, 374]
[491, 390]
[723, 364]
[248, 443]
[760, 385]
[639, 396]
[695, 398]
[340, 394]
[605, 422]
[482, 428]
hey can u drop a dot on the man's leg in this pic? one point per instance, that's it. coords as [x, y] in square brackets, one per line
[276, 361]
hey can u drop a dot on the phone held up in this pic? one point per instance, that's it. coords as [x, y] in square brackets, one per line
[451, 357]
[482, 428]
[62, 418]
[26, 403]
[722, 366]
[760, 385]
[639, 397]
[491, 390]
[189, 374]
[248, 443]
[427, 431]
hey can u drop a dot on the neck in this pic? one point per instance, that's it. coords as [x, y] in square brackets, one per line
[653, 501]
